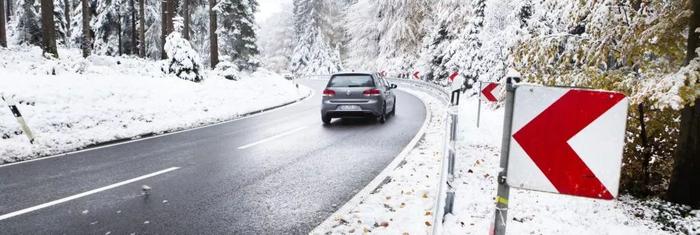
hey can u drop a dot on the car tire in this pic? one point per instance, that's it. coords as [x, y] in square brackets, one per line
[393, 109]
[326, 120]
[382, 118]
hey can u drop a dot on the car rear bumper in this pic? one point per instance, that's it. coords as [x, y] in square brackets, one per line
[368, 108]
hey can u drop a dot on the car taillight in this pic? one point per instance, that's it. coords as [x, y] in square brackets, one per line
[328, 92]
[372, 92]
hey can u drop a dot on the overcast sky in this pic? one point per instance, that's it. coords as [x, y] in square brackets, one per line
[269, 7]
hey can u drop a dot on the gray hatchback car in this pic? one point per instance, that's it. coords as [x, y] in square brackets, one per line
[358, 95]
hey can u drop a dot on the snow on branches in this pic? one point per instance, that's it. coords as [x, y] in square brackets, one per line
[182, 60]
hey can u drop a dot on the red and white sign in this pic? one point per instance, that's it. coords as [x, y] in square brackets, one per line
[453, 76]
[567, 141]
[489, 91]
[415, 75]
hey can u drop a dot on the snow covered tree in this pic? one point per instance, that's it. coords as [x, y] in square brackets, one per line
[153, 32]
[276, 41]
[444, 38]
[199, 27]
[107, 27]
[386, 35]
[60, 22]
[313, 53]
[182, 60]
[236, 32]
[27, 28]
[470, 59]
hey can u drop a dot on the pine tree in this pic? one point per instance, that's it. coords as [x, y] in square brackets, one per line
[313, 53]
[107, 27]
[182, 61]
[27, 28]
[237, 32]
[276, 40]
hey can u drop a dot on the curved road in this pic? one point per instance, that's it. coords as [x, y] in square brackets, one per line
[281, 172]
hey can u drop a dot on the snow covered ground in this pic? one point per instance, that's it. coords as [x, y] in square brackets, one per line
[542, 213]
[404, 205]
[72, 102]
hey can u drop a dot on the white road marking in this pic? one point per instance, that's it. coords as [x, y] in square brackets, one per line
[271, 138]
[62, 200]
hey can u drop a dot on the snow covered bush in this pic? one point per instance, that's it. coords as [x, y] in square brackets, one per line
[182, 60]
[227, 70]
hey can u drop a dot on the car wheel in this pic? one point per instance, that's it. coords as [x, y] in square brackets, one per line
[326, 120]
[393, 109]
[382, 118]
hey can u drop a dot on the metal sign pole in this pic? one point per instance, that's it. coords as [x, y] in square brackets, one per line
[503, 188]
[478, 110]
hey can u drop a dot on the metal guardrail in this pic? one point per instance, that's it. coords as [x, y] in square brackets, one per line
[446, 194]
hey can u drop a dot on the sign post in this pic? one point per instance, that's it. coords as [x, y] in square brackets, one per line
[503, 188]
[478, 110]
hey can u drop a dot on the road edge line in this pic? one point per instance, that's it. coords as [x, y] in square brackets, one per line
[380, 179]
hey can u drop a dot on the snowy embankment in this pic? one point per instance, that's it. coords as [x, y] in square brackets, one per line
[531, 212]
[405, 203]
[71, 102]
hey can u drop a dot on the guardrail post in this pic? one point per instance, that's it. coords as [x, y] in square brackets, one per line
[503, 188]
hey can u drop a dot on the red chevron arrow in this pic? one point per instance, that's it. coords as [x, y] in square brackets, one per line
[415, 75]
[487, 92]
[545, 139]
[453, 76]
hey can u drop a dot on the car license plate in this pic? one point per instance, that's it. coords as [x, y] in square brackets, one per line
[349, 108]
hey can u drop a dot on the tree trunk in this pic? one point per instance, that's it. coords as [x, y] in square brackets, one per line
[646, 152]
[186, 13]
[163, 27]
[9, 11]
[66, 9]
[48, 29]
[685, 186]
[134, 49]
[213, 40]
[86, 42]
[120, 45]
[3, 36]
[142, 31]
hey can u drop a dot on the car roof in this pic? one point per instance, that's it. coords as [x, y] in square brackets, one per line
[353, 73]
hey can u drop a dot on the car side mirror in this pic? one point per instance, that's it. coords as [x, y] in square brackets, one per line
[393, 86]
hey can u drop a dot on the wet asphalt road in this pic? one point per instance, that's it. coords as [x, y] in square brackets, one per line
[286, 185]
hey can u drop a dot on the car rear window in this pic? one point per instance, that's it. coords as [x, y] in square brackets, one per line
[351, 81]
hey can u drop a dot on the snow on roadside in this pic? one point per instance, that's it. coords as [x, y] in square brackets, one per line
[99, 99]
[535, 212]
[405, 204]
